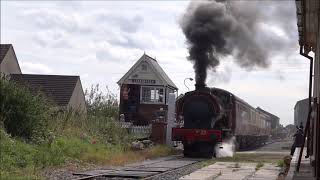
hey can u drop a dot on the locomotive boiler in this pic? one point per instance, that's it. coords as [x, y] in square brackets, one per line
[211, 116]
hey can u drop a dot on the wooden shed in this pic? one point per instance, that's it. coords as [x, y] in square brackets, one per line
[144, 92]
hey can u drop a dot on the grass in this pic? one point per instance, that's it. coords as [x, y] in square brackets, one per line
[208, 162]
[253, 158]
[20, 159]
[280, 163]
[135, 156]
[259, 165]
[247, 157]
[46, 137]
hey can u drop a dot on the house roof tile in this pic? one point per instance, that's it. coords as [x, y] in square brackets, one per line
[59, 88]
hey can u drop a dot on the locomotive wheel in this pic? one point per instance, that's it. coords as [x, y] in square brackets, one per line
[187, 150]
[237, 146]
[203, 150]
[206, 150]
[187, 153]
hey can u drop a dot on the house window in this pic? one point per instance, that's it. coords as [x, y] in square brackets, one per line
[152, 95]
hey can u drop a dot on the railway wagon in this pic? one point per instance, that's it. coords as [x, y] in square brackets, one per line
[211, 116]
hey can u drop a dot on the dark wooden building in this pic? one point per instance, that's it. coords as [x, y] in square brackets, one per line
[144, 91]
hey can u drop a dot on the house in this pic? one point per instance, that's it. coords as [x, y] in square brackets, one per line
[144, 92]
[8, 60]
[65, 91]
[301, 110]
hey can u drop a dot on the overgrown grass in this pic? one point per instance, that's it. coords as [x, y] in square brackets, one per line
[41, 137]
[27, 160]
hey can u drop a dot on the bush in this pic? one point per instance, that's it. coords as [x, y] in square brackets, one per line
[90, 128]
[109, 130]
[22, 113]
[99, 123]
[101, 104]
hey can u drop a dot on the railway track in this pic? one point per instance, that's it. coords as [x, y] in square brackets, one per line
[151, 169]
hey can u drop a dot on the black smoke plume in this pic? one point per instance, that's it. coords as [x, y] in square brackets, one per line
[215, 29]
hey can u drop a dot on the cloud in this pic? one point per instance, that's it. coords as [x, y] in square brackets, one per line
[35, 68]
[108, 52]
[129, 24]
[55, 19]
[52, 39]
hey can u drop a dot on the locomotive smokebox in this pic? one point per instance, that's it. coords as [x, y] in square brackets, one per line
[200, 87]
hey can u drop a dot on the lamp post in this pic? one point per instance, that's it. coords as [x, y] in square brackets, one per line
[184, 82]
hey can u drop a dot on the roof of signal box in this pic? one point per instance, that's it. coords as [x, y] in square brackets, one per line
[153, 62]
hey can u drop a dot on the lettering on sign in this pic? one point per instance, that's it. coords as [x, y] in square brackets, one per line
[143, 81]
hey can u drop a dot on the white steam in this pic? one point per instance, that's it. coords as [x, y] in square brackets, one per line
[226, 148]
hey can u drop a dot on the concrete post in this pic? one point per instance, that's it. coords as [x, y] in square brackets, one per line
[170, 117]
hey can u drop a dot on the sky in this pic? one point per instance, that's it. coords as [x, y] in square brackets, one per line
[101, 40]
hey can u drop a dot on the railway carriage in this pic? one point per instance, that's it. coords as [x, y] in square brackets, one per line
[211, 116]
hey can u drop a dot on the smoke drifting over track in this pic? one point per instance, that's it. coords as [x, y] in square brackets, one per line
[215, 29]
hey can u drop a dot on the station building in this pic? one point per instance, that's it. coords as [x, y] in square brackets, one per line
[301, 112]
[308, 22]
[144, 92]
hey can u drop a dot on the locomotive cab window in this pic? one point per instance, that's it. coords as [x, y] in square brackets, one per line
[152, 95]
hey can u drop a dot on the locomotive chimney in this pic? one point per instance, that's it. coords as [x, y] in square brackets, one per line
[200, 86]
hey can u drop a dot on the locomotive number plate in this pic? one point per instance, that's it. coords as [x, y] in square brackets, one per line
[203, 132]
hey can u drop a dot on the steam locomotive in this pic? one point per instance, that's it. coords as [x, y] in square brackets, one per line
[211, 116]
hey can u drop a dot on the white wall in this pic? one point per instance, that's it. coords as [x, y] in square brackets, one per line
[77, 100]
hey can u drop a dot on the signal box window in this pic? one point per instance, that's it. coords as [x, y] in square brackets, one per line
[152, 95]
